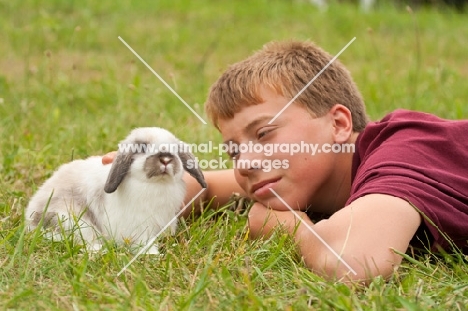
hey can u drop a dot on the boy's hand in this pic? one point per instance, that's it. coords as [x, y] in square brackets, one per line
[263, 221]
[109, 157]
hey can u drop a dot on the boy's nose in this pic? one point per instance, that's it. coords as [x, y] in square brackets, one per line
[247, 163]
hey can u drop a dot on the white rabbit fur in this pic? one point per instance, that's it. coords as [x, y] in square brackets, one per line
[129, 201]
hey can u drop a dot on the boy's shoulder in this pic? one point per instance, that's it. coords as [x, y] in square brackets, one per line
[415, 141]
[411, 117]
[411, 130]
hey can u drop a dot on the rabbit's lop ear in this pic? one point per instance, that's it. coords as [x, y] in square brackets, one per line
[190, 165]
[119, 169]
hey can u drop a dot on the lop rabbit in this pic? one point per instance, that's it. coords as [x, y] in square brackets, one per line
[129, 201]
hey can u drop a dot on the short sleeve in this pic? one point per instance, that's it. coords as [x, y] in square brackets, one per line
[411, 156]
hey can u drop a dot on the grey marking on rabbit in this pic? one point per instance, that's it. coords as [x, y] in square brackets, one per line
[185, 157]
[153, 169]
[48, 219]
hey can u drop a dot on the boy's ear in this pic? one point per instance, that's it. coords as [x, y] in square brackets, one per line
[342, 123]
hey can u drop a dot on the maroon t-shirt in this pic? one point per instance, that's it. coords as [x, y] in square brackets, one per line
[422, 159]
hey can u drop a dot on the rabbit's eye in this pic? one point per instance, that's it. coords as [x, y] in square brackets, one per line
[142, 150]
[141, 147]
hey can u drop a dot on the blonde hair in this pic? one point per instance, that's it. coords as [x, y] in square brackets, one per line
[286, 67]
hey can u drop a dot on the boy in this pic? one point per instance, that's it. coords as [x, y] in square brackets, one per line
[405, 168]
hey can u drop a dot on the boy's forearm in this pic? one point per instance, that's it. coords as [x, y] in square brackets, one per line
[221, 185]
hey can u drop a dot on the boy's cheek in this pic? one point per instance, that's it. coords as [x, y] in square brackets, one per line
[241, 180]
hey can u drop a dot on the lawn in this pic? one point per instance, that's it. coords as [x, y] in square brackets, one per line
[69, 88]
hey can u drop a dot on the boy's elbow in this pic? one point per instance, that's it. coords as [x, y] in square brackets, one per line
[351, 267]
[357, 273]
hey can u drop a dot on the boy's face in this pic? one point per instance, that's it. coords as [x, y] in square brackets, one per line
[300, 179]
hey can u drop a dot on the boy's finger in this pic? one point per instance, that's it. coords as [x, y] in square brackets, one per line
[108, 158]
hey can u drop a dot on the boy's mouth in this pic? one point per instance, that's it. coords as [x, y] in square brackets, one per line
[262, 189]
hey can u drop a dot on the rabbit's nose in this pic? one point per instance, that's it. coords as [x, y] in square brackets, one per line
[165, 160]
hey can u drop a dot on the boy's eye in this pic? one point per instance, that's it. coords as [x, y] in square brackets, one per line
[232, 150]
[233, 155]
[261, 134]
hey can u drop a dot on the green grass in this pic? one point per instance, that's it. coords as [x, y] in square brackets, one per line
[69, 89]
